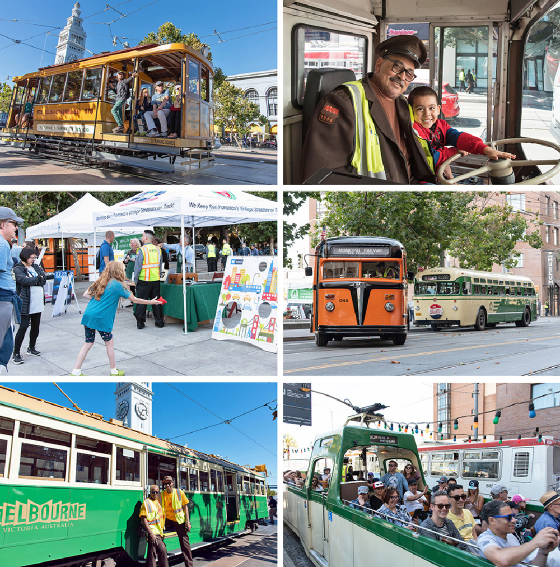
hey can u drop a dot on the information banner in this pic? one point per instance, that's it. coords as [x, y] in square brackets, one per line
[63, 287]
[297, 404]
[248, 304]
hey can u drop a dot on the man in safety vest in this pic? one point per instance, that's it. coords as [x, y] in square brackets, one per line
[211, 256]
[364, 126]
[177, 519]
[152, 518]
[146, 275]
[225, 252]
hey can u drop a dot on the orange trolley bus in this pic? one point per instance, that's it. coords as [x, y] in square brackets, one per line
[359, 289]
[72, 108]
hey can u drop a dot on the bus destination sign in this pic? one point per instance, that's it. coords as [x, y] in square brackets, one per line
[435, 277]
[385, 439]
[359, 251]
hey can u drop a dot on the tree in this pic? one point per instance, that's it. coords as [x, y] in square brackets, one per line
[233, 111]
[430, 224]
[170, 33]
[266, 231]
[219, 78]
[293, 200]
[5, 96]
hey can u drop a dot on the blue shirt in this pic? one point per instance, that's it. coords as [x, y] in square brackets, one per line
[188, 252]
[397, 481]
[105, 250]
[100, 313]
[157, 99]
[6, 264]
[547, 520]
[244, 251]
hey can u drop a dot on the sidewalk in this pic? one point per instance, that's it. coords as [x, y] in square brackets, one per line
[147, 352]
[264, 155]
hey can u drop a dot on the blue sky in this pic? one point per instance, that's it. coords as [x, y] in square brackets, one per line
[249, 39]
[224, 399]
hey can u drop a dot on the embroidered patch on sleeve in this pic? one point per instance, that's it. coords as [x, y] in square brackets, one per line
[328, 114]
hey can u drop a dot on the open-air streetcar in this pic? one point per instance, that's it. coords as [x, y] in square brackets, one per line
[71, 486]
[72, 108]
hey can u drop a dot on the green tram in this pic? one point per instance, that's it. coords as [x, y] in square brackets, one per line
[334, 534]
[444, 297]
[72, 483]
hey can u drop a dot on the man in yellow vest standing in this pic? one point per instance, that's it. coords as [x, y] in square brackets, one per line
[211, 256]
[226, 251]
[177, 516]
[147, 269]
[364, 126]
[152, 518]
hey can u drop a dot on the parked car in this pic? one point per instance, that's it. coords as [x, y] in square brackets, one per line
[3, 119]
[449, 99]
[199, 250]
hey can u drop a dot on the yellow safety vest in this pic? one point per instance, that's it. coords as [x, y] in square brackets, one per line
[423, 143]
[367, 158]
[151, 262]
[226, 250]
[176, 505]
[211, 251]
[154, 516]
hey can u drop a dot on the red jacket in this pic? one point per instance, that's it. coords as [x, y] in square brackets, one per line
[441, 135]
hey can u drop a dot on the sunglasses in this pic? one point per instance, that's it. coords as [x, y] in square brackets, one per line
[167, 483]
[442, 506]
[508, 517]
[458, 497]
[154, 491]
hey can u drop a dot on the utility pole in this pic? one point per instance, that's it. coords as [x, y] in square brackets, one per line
[475, 422]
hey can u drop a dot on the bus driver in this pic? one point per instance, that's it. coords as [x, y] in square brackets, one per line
[384, 145]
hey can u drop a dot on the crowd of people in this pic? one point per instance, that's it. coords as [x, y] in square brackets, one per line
[500, 529]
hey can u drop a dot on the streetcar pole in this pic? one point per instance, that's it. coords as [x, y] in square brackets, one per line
[475, 423]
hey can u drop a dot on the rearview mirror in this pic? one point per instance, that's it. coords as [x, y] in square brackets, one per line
[308, 271]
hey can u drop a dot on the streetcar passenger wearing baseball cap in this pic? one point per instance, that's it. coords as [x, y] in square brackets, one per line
[551, 516]
[364, 126]
[499, 492]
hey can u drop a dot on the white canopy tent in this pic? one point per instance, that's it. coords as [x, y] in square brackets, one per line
[187, 207]
[74, 222]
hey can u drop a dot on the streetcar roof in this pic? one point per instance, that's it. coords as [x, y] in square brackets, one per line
[455, 273]
[94, 421]
[161, 59]
[364, 240]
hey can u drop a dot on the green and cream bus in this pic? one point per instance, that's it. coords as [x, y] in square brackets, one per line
[444, 297]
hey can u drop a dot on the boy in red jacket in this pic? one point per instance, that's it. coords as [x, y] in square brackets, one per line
[437, 132]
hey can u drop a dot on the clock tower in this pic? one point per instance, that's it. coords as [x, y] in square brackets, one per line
[133, 405]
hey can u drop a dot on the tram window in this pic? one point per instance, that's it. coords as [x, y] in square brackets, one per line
[6, 426]
[448, 288]
[521, 464]
[92, 81]
[57, 87]
[184, 479]
[205, 84]
[44, 90]
[220, 481]
[193, 480]
[111, 89]
[93, 445]
[239, 482]
[481, 464]
[160, 466]
[44, 434]
[316, 48]
[73, 86]
[194, 77]
[341, 270]
[128, 465]
[389, 270]
[426, 288]
[40, 461]
[213, 481]
[204, 481]
[319, 469]
[445, 464]
[3, 454]
[93, 469]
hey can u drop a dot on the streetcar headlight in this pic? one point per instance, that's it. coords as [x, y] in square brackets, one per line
[417, 308]
[389, 307]
[454, 308]
[329, 306]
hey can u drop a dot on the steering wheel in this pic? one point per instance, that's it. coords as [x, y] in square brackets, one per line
[501, 170]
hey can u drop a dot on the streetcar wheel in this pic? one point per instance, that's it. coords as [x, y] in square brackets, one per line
[435, 327]
[480, 323]
[399, 340]
[321, 339]
[525, 320]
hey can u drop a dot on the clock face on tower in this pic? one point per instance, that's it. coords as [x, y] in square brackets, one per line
[122, 410]
[141, 410]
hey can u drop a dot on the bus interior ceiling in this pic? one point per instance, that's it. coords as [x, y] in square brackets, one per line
[510, 22]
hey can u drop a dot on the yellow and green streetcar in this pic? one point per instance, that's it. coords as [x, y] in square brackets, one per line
[72, 483]
[445, 297]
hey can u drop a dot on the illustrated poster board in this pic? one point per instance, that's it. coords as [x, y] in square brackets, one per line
[247, 308]
[62, 292]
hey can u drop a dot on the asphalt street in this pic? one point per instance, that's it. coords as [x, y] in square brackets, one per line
[21, 167]
[504, 351]
[293, 553]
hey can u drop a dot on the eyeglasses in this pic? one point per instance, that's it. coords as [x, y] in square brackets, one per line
[394, 497]
[154, 491]
[392, 464]
[167, 483]
[458, 497]
[442, 506]
[399, 68]
[508, 517]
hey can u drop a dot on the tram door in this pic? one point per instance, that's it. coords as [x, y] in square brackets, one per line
[319, 513]
[232, 498]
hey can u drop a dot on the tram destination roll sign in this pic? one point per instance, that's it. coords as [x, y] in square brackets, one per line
[297, 404]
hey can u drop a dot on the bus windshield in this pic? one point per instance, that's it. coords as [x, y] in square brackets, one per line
[385, 269]
[437, 288]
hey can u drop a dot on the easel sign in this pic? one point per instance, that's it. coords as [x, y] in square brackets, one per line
[63, 293]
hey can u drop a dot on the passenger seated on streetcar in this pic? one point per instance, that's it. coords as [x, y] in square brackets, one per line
[414, 500]
[377, 495]
[316, 485]
[362, 500]
[161, 108]
[143, 104]
[551, 516]
[175, 116]
[394, 512]
[395, 479]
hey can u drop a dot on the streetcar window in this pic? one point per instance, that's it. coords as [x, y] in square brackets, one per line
[57, 88]
[521, 464]
[3, 454]
[319, 469]
[421, 288]
[341, 270]
[160, 466]
[213, 481]
[184, 479]
[128, 465]
[41, 462]
[246, 484]
[204, 481]
[73, 86]
[239, 482]
[6, 426]
[316, 48]
[44, 90]
[93, 445]
[193, 479]
[193, 78]
[205, 84]
[220, 481]
[92, 81]
[93, 469]
[111, 89]
[445, 464]
[383, 269]
[448, 288]
[481, 464]
[44, 434]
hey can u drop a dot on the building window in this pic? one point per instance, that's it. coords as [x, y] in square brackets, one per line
[252, 96]
[547, 234]
[555, 210]
[516, 201]
[272, 101]
[555, 237]
[550, 395]
[547, 212]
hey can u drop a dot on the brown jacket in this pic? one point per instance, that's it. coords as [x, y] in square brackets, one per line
[329, 142]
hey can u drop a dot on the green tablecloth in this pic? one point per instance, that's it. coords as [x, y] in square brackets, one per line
[202, 300]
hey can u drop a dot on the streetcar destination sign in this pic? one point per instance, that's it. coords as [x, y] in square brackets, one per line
[359, 251]
[385, 439]
[435, 277]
